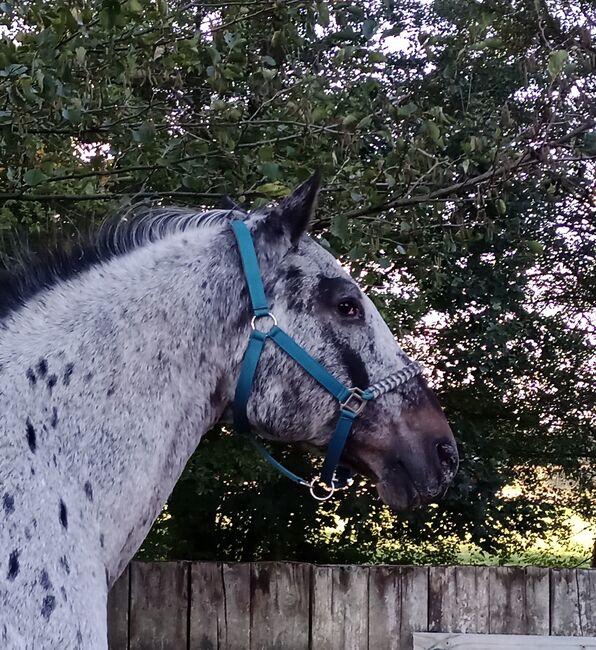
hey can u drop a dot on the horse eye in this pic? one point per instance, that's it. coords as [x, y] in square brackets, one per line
[349, 307]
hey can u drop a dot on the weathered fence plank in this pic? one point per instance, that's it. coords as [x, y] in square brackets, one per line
[397, 605]
[518, 600]
[220, 606]
[280, 606]
[207, 612]
[285, 606]
[573, 602]
[339, 608]
[118, 613]
[158, 606]
[458, 599]
[450, 641]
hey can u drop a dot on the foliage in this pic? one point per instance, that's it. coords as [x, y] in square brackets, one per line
[457, 140]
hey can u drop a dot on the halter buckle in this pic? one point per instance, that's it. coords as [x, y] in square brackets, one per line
[355, 401]
[253, 321]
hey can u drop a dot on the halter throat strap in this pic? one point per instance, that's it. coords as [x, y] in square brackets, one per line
[351, 400]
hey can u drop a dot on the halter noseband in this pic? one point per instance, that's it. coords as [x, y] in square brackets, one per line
[351, 400]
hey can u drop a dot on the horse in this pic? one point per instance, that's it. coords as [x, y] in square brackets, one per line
[117, 358]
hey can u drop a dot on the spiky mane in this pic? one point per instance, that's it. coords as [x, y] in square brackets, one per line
[118, 235]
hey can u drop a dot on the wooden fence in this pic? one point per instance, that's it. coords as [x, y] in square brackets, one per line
[288, 606]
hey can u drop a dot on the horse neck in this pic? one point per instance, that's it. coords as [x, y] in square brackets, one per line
[120, 372]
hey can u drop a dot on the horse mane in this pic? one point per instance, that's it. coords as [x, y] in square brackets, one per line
[123, 232]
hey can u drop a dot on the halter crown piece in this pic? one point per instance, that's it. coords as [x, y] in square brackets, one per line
[351, 400]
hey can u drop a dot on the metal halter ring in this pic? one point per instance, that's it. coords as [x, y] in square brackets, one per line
[355, 401]
[330, 490]
[253, 320]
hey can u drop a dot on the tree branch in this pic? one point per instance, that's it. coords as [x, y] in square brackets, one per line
[526, 159]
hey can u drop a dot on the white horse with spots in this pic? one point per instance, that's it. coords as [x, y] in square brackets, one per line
[114, 363]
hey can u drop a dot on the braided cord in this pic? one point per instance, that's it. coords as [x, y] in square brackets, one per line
[394, 381]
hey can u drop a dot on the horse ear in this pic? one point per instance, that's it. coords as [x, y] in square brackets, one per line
[298, 208]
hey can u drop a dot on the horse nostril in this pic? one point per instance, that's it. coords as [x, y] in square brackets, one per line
[448, 457]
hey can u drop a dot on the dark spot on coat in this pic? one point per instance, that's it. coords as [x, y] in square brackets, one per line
[8, 503]
[88, 377]
[54, 420]
[28, 535]
[295, 288]
[63, 515]
[31, 436]
[79, 637]
[45, 581]
[13, 565]
[52, 380]
[48, 606]
[110, 391]
[42, 368]
[101, 540]
[270, 231]
[64, 564]
[355, 368]
[67, 373]
[88, 490]
[31, 376]
[63, 592]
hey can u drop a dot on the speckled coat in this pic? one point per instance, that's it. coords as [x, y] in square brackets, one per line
[110, 373]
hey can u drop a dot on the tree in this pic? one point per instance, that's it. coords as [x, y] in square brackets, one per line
[458, 143]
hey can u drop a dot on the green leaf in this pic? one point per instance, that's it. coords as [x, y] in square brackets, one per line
[271, 170]
[269, 73]
[273, 190]
[433, 130]
[323, 11]
[535, 246]
[134, 6]
[80, 53]
[7, 218]
[14, 70]
[589, 143]
[349, 121]
[501, 207]
[34, 177]
[376, 57]
[369, 27]
[340, 228]
[494, 43]
[556, 62]
[73, 114]
[145, 133]
[162, 7]
[407, 110]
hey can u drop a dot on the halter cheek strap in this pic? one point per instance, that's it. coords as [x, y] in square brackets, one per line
[351, 400]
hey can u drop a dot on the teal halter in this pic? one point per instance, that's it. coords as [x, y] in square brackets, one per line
[351, 400]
